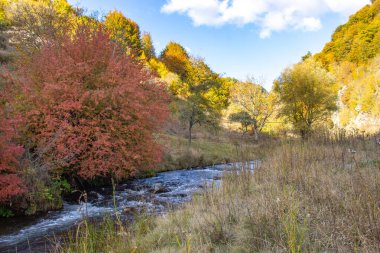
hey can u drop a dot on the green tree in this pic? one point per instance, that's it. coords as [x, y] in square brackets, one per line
[124, 31]
[203, 97]
[245, 120]
[306, 56]
[307, 93]
[147, 46]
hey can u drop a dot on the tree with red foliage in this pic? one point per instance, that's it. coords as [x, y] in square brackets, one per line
[10, 183]
[94, 110]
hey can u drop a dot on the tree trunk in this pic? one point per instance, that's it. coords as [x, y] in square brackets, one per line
[256, 132]
[256, 135]
[190, 132]
[303, 134]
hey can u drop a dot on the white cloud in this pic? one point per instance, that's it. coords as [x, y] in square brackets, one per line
[269, 15]
[309, 24]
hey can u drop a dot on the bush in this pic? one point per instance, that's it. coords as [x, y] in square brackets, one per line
[92, 109]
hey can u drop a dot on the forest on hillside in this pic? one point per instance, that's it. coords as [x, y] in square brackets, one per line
[85, 100]
[353, 57]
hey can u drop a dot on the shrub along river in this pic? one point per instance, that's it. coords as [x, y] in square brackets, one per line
[153, 195]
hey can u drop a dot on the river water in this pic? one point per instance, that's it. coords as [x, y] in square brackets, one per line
[153, 195]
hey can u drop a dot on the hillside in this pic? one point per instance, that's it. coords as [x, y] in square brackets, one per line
[353, 55]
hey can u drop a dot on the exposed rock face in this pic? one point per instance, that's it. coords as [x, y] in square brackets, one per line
[365, 122]
[362, 122]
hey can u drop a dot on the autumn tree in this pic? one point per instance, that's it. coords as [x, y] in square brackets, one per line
[176, 59]
[254, 100]
[92, 108]
[147, 46]
[307, 94]
[357, 41]
[203, 96]
[11, 184]
[124, 31]
[39, 23]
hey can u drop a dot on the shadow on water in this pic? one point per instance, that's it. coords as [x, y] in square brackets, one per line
[153, 195]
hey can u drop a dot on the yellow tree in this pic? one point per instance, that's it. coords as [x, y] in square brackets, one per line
[147, 46]
[39, 22]
[255, 103]
[124, 31]
[307, 93]
[176, 59]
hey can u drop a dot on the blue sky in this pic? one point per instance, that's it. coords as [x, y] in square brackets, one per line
[237, 38]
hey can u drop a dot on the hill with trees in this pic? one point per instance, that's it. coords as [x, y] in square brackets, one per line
[353, 56]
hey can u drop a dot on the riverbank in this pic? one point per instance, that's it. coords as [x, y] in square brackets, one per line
[312, 196]
[151, 196]
[206, 149]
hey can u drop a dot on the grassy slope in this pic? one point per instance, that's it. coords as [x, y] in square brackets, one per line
[206, 148]
[314, 196]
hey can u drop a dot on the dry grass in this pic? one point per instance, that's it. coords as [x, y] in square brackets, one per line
[206, 149]
[321, 195]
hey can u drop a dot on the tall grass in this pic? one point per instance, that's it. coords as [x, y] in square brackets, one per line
[320, 195]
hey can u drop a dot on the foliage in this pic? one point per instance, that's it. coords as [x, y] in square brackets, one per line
[4, 21]
[11, 185]
[176, 59]
[352, 55]
[91, 108]
[5, 55]
[171, 79]
[307, 94]
[147, 46]
[254, 100]
[203, 96]
[5, 212]
[306, 56]
[356, 41]
[39, 23]
[360, 92]
[124, 31]
[244, 119]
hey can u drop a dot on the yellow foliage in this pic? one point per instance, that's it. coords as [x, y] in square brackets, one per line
[353, 56]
